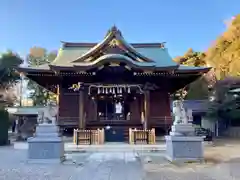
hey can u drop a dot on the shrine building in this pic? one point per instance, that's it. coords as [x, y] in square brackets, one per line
[114, 84]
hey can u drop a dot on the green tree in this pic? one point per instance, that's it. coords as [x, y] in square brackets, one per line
[8, 79]
[225, 104]
[192, 58]
[224, 57]
[199, 88]
[224, 54]
[4, 125]
[8, 75]
[39, 56]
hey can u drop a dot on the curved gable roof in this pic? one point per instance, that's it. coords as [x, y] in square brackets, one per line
[72, 53]
[114, 38]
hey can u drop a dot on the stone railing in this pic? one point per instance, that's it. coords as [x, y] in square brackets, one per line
[88, 137]
[137, 136]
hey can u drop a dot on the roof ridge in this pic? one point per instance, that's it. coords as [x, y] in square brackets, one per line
[91, 44]
[114, 35]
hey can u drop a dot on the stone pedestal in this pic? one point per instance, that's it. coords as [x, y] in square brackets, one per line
[182, 145]
[46, 146]
[182, 130]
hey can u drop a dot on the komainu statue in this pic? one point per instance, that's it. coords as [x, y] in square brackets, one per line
[49, 114]
[179, 112]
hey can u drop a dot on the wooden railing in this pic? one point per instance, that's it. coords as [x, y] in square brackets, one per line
[137, 136]
[161, 120]
[68, 121]
[88, 137]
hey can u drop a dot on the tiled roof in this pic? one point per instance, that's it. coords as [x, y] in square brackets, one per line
[142, 55]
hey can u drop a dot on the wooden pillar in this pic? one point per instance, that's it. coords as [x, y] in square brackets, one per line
[58, 94]
[146, 109]
[57, 101]
[95, 117]
[81, 110]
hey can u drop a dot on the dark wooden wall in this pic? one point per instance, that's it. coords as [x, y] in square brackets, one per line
[90, 108]
[160, 111]
[136, 109]
[68, 108]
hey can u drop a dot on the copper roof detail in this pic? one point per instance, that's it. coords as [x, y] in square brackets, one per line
[114, 38]
[113, 48]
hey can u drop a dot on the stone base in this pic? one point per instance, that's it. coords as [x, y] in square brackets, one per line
[184, 160]
[47, 146]
[182, 129]
[45, 161]
[184, 148]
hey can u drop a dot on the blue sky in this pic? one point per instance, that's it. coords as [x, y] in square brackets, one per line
[180, 23]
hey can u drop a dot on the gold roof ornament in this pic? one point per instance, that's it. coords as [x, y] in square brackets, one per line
[76, 87]
[114, 43]
[114, 64]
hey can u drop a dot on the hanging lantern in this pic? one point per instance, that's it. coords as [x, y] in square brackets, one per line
[129, 90]
[98, 91]
[110, 91]
[120, 90]
[106, 90]
[113, 91]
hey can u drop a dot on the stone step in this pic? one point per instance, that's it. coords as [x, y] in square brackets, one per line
[70, 147]
[137, 148]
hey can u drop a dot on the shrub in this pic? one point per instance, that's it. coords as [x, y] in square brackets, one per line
[4, 125]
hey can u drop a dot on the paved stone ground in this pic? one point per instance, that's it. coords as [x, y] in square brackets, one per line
[111, 166]
[92, 166]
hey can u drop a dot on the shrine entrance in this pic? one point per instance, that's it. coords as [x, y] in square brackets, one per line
[114, 102]
[114, 134]
[113, 108]
[116, 108]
